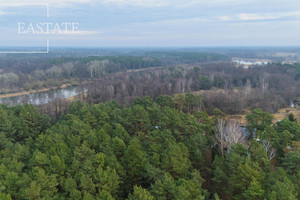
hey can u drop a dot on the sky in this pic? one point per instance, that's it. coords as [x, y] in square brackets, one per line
[151, 23]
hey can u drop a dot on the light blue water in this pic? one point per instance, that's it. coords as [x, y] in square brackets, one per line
[44, 97]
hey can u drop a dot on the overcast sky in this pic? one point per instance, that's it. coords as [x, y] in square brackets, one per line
[148, 23]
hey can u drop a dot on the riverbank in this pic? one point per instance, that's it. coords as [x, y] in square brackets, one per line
[16, 94]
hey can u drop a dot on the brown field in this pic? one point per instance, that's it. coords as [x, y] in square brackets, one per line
[279, 115]
[284, 113]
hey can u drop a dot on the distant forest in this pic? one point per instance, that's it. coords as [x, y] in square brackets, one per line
[231, 88]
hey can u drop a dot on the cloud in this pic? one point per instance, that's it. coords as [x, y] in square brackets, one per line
[260, 16]
[224, 18]
[2, 12]
[268, 16]
[251, 16]
[175, 3]
[179, 21]
[81, 33]
[153, 3]
[143, 3]
[67, 3]
[56, 3]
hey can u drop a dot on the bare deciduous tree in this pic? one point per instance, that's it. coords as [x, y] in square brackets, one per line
[228, 133]
[220, 134]
[234, 133]
[269, 149]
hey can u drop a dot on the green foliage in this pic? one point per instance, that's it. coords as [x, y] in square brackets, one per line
[244, 177]
[279, 186]
[205, 83]
[218, 114]
[218, 82]
[164, 188]
[292, 118]
[254, 191]
[291, 126]
[291, 162]
[169, 188]
[220, 178]
[148, 150]
[258, 120]
[176, 160]
[5, 196]
[259, 154]
[134, 162]
[140, 193]
[164, 101]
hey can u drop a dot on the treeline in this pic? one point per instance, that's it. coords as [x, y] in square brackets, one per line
[164, 149]
[179, 57]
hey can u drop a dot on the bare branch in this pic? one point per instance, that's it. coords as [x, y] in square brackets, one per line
[220, 134]
[269, 149]
[233, 133]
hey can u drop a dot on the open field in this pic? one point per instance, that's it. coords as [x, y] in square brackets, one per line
[279, 115]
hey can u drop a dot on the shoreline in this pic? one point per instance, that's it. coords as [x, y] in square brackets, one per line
[16, 94]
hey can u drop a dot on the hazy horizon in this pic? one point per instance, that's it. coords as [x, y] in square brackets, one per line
[152, 23]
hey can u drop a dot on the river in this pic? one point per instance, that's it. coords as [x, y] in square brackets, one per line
[41, 98]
